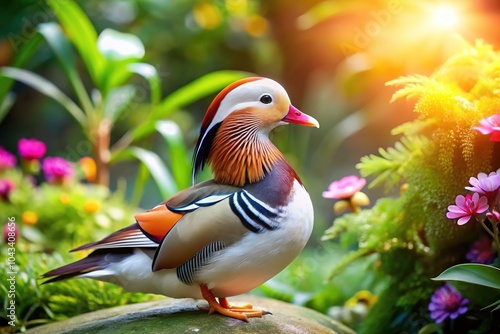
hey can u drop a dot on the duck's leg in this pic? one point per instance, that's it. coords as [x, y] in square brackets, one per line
[226, 309]
[224, 303]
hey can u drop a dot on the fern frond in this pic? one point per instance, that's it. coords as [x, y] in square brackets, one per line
[390, 166]
[413, 127]
[414, 84]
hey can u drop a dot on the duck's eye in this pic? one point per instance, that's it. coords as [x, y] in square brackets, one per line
[266, 99]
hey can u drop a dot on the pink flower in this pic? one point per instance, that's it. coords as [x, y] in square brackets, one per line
[57, 169]
[31, 149]
[487, 185]
[344, 188]
[10, 232]
[6, 186]
[481, 251]
[466, 207]
[491, 125]
[493, 216]
[447, 302]
[7, 159]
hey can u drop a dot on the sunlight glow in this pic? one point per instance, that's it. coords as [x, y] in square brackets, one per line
[445, 16]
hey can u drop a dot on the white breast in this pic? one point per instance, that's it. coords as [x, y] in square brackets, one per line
[259, 256]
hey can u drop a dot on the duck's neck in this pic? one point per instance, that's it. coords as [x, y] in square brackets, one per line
[242, 153]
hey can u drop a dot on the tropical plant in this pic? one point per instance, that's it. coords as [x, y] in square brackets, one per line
[111, 59]
[410, 234]
[50, 208]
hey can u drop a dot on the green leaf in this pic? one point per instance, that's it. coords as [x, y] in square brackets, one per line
[82, 34]
[208, 84]
[497, 303]
[430, 329]
[118, 46]
[179, 161]
[117, 101]
[64, 54]
[324, 10]
[161, 174]
[46, 87]
[5, 104]
[33, 234]
[24, 54]
[473, 273]
[151, 74]
[119, 50]
[140, 181]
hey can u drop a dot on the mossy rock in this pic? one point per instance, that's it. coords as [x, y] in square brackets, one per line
[182, 316]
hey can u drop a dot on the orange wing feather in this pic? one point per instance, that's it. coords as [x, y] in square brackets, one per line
[158, 221]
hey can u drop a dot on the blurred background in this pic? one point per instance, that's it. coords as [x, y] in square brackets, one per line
[333, 57]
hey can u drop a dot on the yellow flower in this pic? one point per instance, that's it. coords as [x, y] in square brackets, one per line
[64, 198]
[403, 188]
[256, 26]
[361, 297]
[91, 206]
[29, 217]
[89, 168]
[207, 15]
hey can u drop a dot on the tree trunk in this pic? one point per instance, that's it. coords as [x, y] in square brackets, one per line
[101, 151]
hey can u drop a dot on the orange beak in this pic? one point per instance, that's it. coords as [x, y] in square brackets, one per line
[296, 116]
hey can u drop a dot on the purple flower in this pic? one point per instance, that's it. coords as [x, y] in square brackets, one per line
[344, 188]
[6, 186]
[481, 251]
[57, 169]
[447, 302]
[466, 207]
[489, 125]
[7, 159]
[487, 185]
[31, 149]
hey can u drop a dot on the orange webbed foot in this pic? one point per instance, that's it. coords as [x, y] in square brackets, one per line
[241, 312]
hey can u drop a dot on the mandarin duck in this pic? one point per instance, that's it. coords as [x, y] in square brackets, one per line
[225, 236]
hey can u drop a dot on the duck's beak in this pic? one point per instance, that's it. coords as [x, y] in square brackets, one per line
[296, 116]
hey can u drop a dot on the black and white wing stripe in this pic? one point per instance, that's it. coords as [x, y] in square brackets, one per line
[254, 214]
[205, 201]
[187, 271]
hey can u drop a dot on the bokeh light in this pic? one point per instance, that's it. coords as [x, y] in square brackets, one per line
[445, 16]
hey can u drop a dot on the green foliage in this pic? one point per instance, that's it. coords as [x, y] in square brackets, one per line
[472, 273]
[377, 229]
[53, 218]
[111, 58]
[77, 213]
[391, 166]
[179, 157]
[156, 167]
[37, 304]
[475, 274]
[382, 313]
[434, 159]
